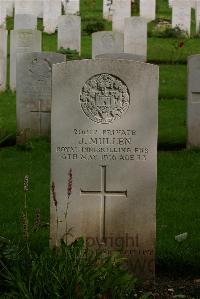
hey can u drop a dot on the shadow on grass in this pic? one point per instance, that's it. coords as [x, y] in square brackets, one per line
[175, 268]
[171, 146]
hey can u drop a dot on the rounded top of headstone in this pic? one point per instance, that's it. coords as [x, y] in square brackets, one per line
[113, 33]
[126, 56]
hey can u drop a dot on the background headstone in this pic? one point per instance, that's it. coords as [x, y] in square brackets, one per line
[121, 10]
[107, 42]
[193, 3]
[170, 3]
[22, 41]
[148, 9]
[26, 7]
[33, 93]
[25, 22]
[51, 13]
[193, 105]
[71, 7]
[104, 144]
[9, 7]
[3, 14]
[181, 14]
[69, 32]
[107, 9]
[135, 37]
[115, 56]
[39, 8]
[197, 15]
[3, 58]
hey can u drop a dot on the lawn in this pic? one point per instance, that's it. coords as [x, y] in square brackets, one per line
[178, 169]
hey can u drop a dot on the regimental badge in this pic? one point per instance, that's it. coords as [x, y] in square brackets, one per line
[104, 98]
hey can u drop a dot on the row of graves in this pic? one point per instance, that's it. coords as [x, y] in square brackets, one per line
[102, 116]
[129, 34]
[181, 12]
[117, 10]
[48, 10]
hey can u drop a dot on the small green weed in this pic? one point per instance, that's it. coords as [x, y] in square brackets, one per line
[67, 272]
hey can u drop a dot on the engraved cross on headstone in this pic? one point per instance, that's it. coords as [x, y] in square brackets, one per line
[103, 194]
[40, 112]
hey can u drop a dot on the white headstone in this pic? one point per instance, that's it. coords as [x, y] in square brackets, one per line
[197, 15]
[40, 8]
[193, 3]
[170, 3]
[71, 7]
[69, 32]
[148, 9]
[33, 93]
[25, 22]
[3, 58]
[103, 157]
[193, 103]
[181, 15]
[107, 9]
[121, 10]
[26, 7]
[107, 42]
[22, 41]
[51, 13]
[3, 14]
[9, 7]
[135, 36]
[126, 56]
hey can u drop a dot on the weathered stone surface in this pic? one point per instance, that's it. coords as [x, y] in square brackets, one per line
[22, 41]
[170, 3]
[9, 7]
[69, 32]
[3, 14]
[107, 42]
[193, 105]
[181, 14]
[25, 22]
[107, 9]
[121, 10]
[104, 151]
[115, 56]
[135, 37]
[3, 58]
[71, 7]
[197, 15]
[27, 7]
[51, 13]
[148, 9]
[193, 3]
[33, 93]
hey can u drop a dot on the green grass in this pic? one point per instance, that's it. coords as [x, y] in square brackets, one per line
[173, 82]
[166, 50]
[172, 124]
[15, 164]
[7, 114]
[91, 9]
[178, 207]
[49, 42]
[162, 9]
